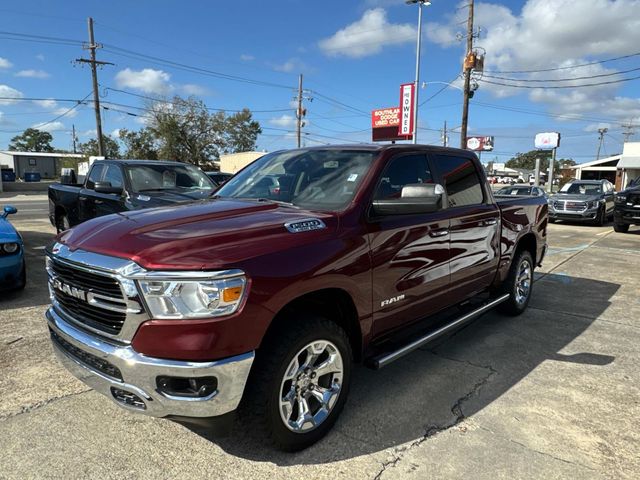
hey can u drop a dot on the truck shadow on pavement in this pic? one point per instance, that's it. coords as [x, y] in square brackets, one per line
[435, 388]
[36, 292]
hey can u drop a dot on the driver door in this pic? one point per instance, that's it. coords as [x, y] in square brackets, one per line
[409, 253]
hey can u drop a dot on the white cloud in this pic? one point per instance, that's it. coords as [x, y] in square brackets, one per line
[367, 36]
[66, 111]
[92, 133]
[284, 121]
[32, 74]
[548, 34]
[6, 93]
[192, 89]
[147, 80]
[247, 58]
[47, 103]
[4, 63]
[49, 127]
[40, 57]
[291, 65]
[115, 133]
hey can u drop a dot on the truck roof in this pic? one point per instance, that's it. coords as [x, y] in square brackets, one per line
[142, 162]
[388, 146]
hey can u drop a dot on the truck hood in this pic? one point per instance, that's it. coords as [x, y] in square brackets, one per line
[574, 197]
[205, 235]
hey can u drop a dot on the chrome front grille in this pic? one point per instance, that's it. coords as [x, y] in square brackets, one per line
[569, 206]
[92, 299]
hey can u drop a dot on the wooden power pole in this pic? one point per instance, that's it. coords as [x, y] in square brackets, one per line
[92, 46]
[468, 66]
[299, 111]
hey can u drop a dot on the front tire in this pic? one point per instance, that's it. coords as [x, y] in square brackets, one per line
[621, 227]
[299, 383]
[601, 219]
[62, 223]
[518, 284]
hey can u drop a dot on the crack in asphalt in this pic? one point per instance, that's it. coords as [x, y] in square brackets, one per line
[38, 405]
[527, 447]
[456, 410]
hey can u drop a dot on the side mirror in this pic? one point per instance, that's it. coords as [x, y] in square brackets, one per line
[415, 198]
[9, 210]
[105, 187]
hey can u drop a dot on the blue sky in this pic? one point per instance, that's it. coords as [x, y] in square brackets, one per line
[354, 55]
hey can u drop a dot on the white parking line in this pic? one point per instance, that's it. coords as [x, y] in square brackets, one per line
[604, 233]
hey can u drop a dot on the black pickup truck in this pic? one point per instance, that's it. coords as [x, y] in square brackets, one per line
[627, 208]
[114, 186]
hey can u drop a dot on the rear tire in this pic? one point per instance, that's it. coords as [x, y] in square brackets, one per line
[518, 284]
[286, 381]
[621, 227]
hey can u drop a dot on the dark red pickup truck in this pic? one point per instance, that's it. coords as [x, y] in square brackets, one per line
[262, 297]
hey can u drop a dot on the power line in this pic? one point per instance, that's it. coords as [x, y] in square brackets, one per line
[561, 79]
[568, 67]
[563, 86]
[217, 109]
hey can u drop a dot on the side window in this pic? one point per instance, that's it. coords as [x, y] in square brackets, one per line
[113, 176]
[401, 171]
[94, 176]
[461, 180]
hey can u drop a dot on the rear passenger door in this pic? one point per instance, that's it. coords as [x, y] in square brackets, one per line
[409, 253]
[475, 225]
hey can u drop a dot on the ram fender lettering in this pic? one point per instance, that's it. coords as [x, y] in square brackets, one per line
[391, 300]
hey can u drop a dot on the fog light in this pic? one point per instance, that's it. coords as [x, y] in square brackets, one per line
[188, 387]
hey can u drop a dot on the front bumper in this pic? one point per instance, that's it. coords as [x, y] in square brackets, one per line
[628, 216]
[11, 270]
[587, 215]
[112, 369]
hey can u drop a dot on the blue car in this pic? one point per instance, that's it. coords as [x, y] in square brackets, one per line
[13, 272]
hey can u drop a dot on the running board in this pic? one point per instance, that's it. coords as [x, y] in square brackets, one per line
[387, 358]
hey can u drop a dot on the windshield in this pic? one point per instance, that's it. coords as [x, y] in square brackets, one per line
[314, 179]
[514, 191]
[582, 188]
[145, 178]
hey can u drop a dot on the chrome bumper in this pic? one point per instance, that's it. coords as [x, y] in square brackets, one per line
[139, 374]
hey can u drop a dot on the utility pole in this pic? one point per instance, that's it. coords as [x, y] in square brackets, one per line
[92, 46]
[299, 111]
[73, 137]
[601, 132]
[445, 139]
[628, 131]
[467, 79]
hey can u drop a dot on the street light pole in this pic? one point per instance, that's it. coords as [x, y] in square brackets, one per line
[416, 85]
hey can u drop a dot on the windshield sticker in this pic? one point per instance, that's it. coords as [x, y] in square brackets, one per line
[352, 177]
[331, 164]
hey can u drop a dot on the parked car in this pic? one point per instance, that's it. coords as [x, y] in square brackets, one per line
[13, 269]
[583, 200]
[263, 301]
[122, 185]
[627, 207]
[521, 190]
[219, 177]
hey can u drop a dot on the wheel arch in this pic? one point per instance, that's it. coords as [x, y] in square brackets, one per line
[336, 304]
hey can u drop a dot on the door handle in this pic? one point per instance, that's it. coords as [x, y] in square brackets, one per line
[81, 197]
[99, 202]
[439, 233]
[491, 221]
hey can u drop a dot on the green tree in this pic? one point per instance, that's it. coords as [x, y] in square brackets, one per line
[186, 131]
[241, 132]
[141, 144]
[528, 161]
[90, 148]
[32, 140]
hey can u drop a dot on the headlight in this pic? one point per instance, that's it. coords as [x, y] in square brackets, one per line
[193, 298]
[620, 198]
[10, 247]
[593, 204]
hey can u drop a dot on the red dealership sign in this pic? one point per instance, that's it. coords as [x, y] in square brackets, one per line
[385, 123]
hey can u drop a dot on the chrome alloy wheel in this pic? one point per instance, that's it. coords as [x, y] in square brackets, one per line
[523, 282]
[311, 386]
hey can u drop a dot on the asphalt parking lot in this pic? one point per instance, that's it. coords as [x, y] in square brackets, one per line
[554, 393]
